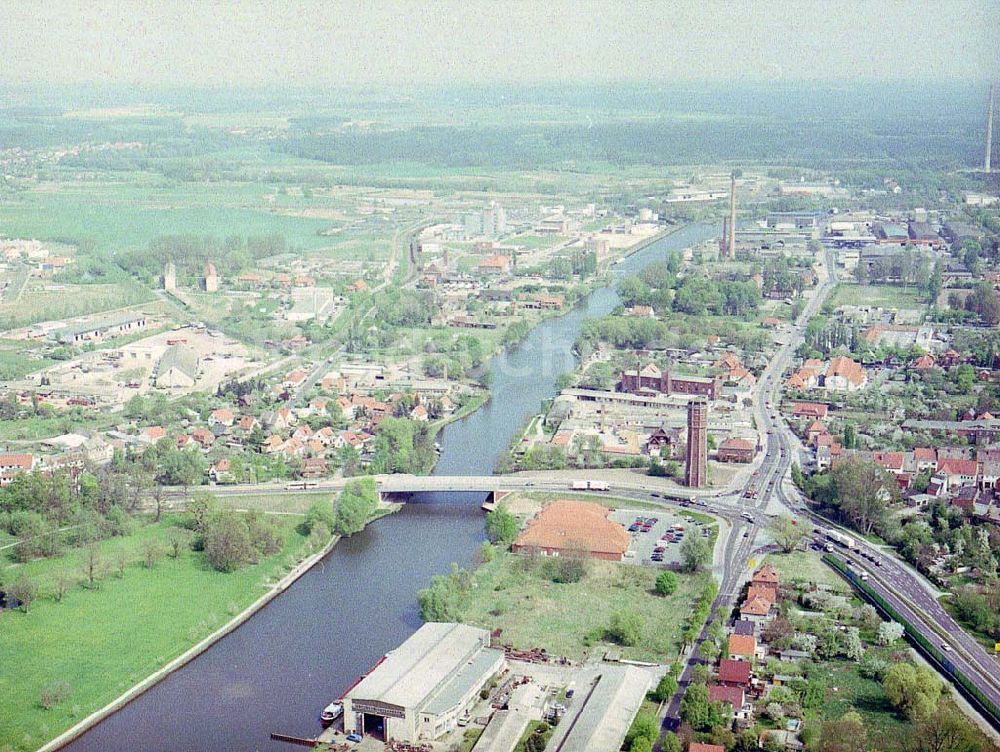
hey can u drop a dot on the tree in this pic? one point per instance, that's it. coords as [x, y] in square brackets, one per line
[501, 525]
[863, 492]
[626, 628]
[696, 553]
[847, 734]
[665, 688]
[91, 563]
[889, 632]
[788, 533]
[177, 540]
[670, 743]
[227, 542]
[853, 648]
[24, 590]
[913, 690]
[666, 583]
[695, 707]
[151, 553]
[200, 509]
[61, 582]
[944, 730]
[321, 516]
[644, 727]
[356, 505]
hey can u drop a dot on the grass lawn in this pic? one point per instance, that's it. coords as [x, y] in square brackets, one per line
[279, 503]
[512, 594]
[877, 295]
[17, 360]
[848, 690]
[43, 426]
[103, 641]
[37, 304]
[804, 566]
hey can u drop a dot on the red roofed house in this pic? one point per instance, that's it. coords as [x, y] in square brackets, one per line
[293, 378]
[816, 428]
[574, 528]
[726, 695]
[12, 464]
[734, 673]
[925, 458]
[204, 437]
[498, 264]
[702, 747]
[223, 416]
[153, 433]
[958, 473]
[809, 410]
[742, 646]
[844, 375]
[890, 461]
[735, 450]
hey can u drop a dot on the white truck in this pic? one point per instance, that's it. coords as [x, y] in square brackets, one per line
[844, 540]
[588, 485]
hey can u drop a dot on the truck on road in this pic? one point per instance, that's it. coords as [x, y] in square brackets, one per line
[589, 485]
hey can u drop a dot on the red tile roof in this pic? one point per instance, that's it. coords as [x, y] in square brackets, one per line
[743, 645]
[575, 525]
[733, 671]
[731, 695]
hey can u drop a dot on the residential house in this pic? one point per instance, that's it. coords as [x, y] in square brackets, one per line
[734, 673]
[736, 450]
[844, 374]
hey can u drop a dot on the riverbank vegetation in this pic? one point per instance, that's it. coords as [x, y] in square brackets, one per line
[150, 593]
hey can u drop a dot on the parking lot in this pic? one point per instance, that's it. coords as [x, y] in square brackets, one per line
[657, 536]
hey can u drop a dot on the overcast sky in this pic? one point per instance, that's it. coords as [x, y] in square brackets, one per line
[296, 42]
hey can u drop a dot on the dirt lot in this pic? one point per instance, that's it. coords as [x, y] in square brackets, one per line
[108, 374]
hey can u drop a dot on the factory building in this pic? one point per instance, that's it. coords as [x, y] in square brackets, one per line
[421, 689]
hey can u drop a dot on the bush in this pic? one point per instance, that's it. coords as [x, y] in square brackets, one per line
[319, 515]
[501, 525]
[666, 583]
[54, 693]
[625, 628]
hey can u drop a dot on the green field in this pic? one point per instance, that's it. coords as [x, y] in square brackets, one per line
[510, 594]
[150, 616]
[37, 304]
[111, 217]
[847, 690]
[16, 360]
[883, 296]
[804, 567]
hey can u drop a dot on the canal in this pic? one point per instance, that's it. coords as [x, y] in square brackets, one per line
[278, 670]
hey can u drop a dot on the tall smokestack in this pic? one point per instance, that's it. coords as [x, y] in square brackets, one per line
[989, 132]
[731, 250]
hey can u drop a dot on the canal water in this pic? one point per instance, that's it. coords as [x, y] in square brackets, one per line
[278, 670]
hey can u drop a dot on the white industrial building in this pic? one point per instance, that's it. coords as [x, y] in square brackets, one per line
[421, 689]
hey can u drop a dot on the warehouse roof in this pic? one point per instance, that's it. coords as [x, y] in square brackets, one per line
[184, 359]
[95, 325]
[434, 666]
[608, 711]
[575, 525]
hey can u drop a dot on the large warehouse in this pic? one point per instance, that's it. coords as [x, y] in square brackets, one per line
[572, 528]
[421, 688]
